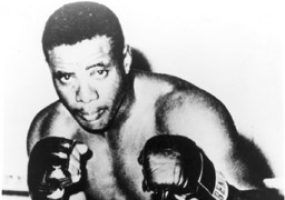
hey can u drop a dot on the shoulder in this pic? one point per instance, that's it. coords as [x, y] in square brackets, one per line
[148, 85]
[50, 122]
[180, 106]
[173, 92]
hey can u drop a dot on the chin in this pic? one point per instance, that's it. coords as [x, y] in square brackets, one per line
[94, 126]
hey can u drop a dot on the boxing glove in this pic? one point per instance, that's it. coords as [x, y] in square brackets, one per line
[50, 170]
[173, 166]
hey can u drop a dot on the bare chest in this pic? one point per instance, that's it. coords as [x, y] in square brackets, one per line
[114, 167]
[113, 171]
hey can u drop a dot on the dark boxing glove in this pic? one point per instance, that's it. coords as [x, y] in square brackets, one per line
[173, 166]
[48, 173]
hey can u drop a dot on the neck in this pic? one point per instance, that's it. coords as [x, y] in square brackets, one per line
[125, 100]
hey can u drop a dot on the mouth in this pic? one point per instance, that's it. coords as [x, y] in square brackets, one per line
[92, 116]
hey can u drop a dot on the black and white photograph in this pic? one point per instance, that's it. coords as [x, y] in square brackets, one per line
[142, 100]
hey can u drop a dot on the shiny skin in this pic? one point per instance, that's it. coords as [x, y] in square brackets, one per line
[150, 104]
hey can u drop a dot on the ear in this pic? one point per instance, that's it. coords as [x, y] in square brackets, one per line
[127, 58]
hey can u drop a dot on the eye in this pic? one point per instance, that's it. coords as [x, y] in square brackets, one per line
[63, 77]
[99, 73]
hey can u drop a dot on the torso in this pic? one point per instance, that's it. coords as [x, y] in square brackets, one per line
[113, 171]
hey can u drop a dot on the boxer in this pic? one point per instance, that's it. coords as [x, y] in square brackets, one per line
[117, 132]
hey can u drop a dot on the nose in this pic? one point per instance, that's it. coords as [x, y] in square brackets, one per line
[85, 93]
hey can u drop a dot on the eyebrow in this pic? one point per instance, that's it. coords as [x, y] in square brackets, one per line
[59, 73]
[99, 64]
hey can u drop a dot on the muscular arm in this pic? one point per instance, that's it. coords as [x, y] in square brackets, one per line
[53, 121]
[174, 166]
[36, 130]
[205, 120]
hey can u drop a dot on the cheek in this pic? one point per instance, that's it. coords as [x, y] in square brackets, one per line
[65, 93]
[110, 88]
[114, 88]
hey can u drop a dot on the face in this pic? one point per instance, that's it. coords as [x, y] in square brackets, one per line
[87, 80]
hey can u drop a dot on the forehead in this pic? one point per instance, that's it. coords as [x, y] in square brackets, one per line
[85, 52]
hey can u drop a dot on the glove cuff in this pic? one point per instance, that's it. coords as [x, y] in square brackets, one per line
[210, 181]
[221, 190]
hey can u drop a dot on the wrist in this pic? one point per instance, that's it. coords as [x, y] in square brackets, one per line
[221, 190]
[211, 183]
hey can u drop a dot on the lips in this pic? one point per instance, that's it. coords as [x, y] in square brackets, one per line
[92, 116]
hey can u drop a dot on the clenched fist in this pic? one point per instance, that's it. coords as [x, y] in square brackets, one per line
[173, 166]
[55, 164]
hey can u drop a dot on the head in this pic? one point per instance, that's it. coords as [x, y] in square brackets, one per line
[84, 46]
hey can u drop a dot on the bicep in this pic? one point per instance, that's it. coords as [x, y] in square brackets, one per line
[34, 133]
[54, 121]
[191, 116]
[207, 122]
[42, 124]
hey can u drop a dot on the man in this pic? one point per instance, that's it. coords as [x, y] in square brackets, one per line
[122, 133]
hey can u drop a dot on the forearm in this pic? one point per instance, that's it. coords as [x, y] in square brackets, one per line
[255, 194]
[225, 191]
[174, 167]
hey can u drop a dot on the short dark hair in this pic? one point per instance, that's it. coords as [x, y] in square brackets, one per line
[77, 21]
